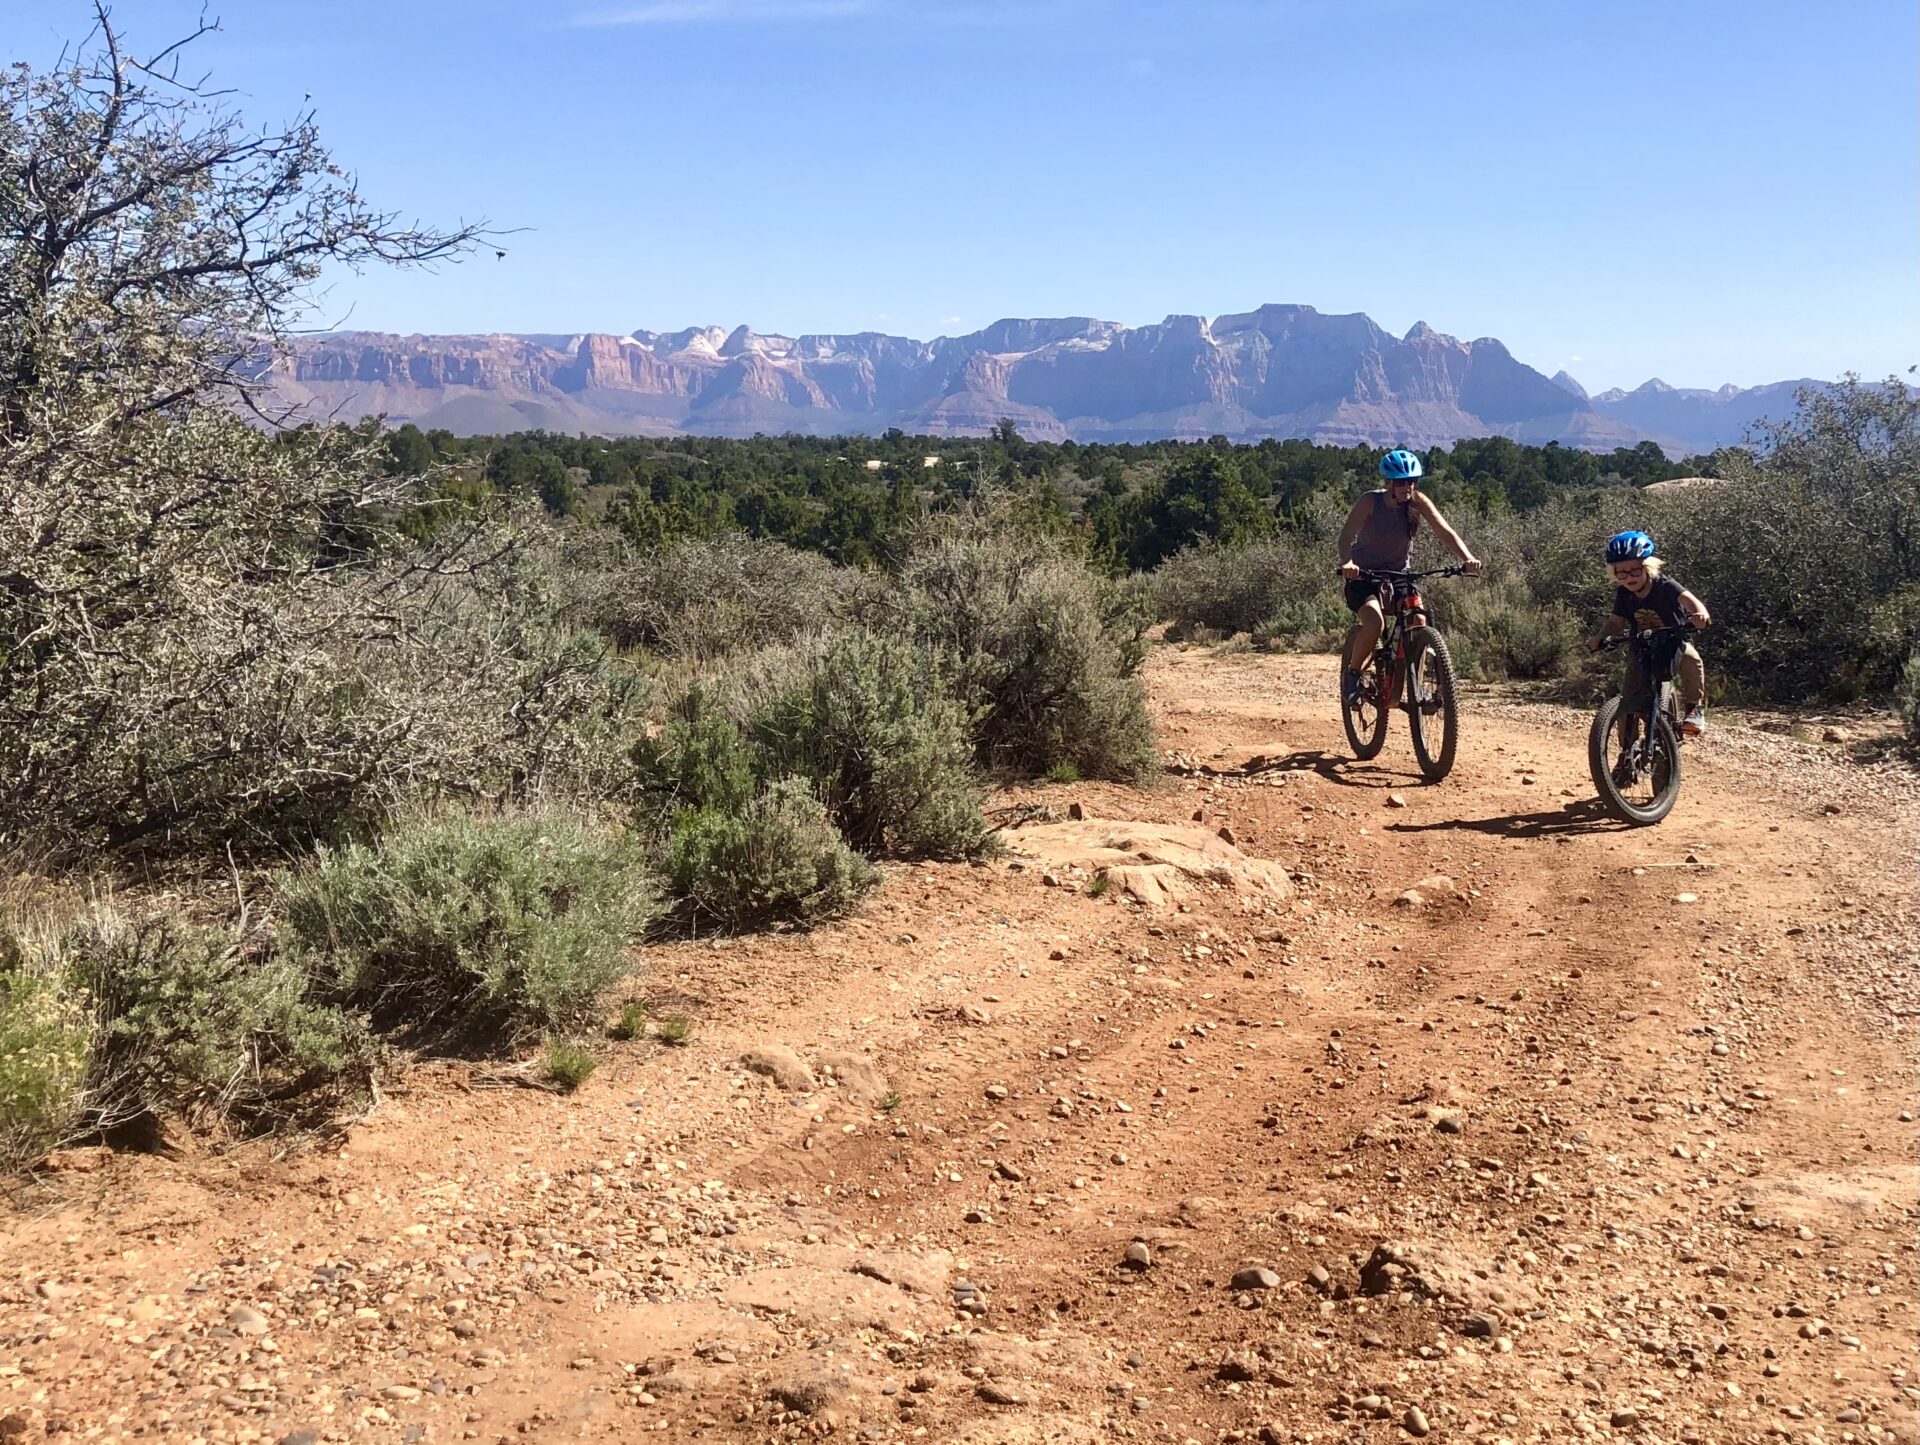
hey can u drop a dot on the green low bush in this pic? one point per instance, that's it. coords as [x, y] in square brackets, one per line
[1043, 652]
[468, 931]
[1495, 629]
[44, 1043]
[778, 859]
[199, 1020]
[865, 719]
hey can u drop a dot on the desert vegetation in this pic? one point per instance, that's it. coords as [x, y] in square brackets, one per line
[315, 750]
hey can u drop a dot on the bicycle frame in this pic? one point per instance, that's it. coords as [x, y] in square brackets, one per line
[1658, 672]
[1403, 608]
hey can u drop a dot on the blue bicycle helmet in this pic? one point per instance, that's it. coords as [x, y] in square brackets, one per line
[1401, 465]
[1629, 547]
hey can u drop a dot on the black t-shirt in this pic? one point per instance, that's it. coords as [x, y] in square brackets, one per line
[1659, 608]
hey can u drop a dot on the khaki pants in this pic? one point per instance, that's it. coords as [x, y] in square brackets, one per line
[1689, 674]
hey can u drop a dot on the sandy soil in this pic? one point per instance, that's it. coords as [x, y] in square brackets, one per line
[1603, 1132]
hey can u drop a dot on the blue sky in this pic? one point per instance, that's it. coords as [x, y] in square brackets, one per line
[1702, 190]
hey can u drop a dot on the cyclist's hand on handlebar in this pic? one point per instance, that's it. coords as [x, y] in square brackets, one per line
[1471, 566]
[1350, 570]
[1594, 644]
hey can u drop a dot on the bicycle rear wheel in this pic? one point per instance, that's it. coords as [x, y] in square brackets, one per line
[1432, 709]
[1639, 783]
[1366, 718]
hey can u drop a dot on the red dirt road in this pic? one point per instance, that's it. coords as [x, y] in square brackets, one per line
[1614, 1139]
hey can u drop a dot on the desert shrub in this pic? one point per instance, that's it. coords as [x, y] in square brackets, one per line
[198, 1019]
[115, 1016]
[1315, 624]
[1237, 589]
[706, 597]
[178, 692]
[1043, 652]
[44, 1038]
[470, 931]
[779, 858]
[699, 761]
[1907, 695]
[1496, 629]
[569, 1065]
[866, 720]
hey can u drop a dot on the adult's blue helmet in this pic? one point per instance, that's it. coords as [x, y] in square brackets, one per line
[1629, 547]
[1401, 465]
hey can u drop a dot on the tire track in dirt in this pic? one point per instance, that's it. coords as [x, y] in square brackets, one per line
[1607, 1124]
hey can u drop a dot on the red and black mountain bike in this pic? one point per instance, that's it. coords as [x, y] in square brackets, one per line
[1410, 669]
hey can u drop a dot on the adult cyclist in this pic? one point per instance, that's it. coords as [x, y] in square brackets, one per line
[1379, 537]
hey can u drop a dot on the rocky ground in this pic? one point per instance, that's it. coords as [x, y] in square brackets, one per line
[1286, 1100]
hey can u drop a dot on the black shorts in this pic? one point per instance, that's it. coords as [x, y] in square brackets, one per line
[1358, 591]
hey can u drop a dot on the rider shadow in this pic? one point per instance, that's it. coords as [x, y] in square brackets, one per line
[1333, 767]
[1584, 816]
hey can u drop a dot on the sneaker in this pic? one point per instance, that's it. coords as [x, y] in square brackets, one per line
[1694, 723]
[1349, 686]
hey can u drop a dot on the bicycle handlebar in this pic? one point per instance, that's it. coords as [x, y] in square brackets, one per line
[1650, 634]
[1368, 574]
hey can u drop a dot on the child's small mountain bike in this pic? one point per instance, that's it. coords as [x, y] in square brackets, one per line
[1410, 669]
[1635, 758]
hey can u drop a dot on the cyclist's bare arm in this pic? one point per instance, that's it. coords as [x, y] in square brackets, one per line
[1696, 611]
[1444, 531]
[1350, 534]
[1615, 626]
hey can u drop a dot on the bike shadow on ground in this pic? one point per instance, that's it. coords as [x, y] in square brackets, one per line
[1335, 768]
[1583, 816]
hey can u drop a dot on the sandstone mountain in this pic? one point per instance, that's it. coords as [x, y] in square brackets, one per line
[1280, 371]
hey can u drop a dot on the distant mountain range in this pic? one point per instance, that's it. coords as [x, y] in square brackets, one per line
[1280, 371]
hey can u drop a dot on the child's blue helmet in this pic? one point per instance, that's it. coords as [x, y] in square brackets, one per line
[1401, 465]
[1629, 547]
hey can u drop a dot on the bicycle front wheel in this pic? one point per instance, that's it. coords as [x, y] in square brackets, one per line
[1433, 710]
[1640, 782]
[1366, 716]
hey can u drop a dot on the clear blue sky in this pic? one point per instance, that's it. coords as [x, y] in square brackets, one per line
[1704, 190]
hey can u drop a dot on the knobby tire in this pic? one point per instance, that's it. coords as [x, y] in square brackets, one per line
[1603, 749]
[1430, 672]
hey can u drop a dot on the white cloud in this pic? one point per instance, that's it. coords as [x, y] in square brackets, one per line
[696, 12]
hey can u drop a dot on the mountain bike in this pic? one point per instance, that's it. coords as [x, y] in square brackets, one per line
[1640, 781]
[1410, 669]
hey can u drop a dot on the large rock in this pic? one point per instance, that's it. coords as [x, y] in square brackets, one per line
[1157, 864]
[859, 1078]
[782, 1065]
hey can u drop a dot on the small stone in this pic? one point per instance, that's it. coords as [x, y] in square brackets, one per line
[403, 1393]
[1450, 1124]
[1138, 1256]
[1415, 1421]
[997, 1093]
[1319, 1278]
[1077, 812]
[1396, 800]
[1255, 1277]
[1480, 1327]
[1686, 898]
[1624, 1419]
[978, 1216]
[247, 1320]
[1009, 1171]
[1225, 835]
[293, 1437]
[996, 1392]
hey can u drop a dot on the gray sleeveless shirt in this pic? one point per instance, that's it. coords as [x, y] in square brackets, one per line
[1385, 543]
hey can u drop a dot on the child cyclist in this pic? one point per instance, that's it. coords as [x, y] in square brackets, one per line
[1643, 598]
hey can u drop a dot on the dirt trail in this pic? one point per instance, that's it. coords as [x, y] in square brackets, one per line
[1612, 1136]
